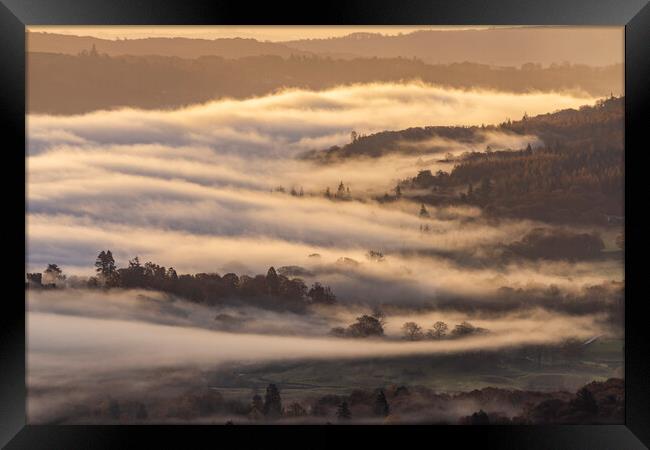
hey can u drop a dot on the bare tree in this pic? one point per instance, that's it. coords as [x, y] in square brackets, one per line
[412, 331]
[438, 331]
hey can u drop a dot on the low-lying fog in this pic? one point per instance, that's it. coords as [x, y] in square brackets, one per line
[193, 188]
[196, 189]
[86, 345]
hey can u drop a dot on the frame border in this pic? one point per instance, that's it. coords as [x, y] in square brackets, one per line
[16, 14]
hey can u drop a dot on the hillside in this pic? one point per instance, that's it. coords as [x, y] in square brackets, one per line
[600, 124]
[71, 84]
[497, 46]
[39, 42]
[599, 402]
[576, 175]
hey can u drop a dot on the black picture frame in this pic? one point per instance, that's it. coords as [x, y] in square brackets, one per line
[16, 14]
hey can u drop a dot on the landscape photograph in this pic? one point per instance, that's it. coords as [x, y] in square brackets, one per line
[311, 225]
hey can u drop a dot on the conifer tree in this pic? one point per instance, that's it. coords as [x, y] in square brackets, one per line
[381, 407]
[343, 412]
[272, 402]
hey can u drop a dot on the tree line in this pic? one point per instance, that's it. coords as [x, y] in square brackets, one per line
[342, 192]
[372, 325]
[137, 81]
[596, 402]
[414, 332]
[273, 290]
[576, 176]
[270, 408]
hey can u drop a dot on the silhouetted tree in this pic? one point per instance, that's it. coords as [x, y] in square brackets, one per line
[479, 418]
[466, 329]
[412, 331]
[257, 408]
[366, 326]
[92, 283]
[272, 281]
[230, 282]
[295, 409]
[272, 402]
[378, 314]
[171, 274]
[105, 268]
[210, 288]
[338, 331]
[375, 255]
[585, 401]
[53, 274]
[343, 411]
[381, 407]
[321, 294]
[294, 289]
[35, 279]
[438, 331]
[257, 402]
[340, 192]
[53, 269]
[133, 275]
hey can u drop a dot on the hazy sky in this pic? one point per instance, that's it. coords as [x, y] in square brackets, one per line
[262, 33]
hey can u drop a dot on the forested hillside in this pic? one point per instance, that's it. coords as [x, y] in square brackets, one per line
[512, 46]
[576, 175]
[498, 46]
[273, 290]
[91, 80]
[162, 46]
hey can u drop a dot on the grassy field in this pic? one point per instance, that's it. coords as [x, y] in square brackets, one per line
[450, 373]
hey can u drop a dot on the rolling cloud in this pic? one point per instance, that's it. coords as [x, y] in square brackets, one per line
[294, 120]
[193, 188]
[85, 332]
